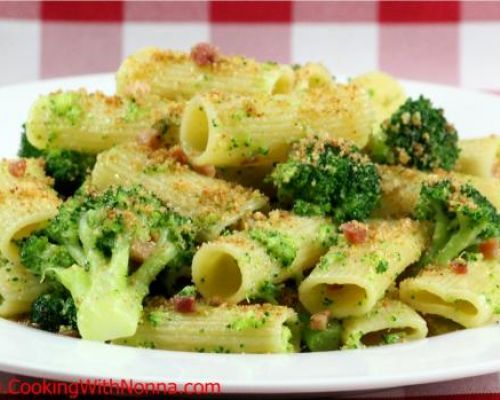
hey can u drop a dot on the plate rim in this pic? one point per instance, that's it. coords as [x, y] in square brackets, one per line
[323, 385]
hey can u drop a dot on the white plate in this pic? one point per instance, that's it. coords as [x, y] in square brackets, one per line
[467, 353]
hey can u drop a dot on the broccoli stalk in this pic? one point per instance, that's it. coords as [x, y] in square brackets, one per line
[104, 233]
[417, 135]
[68, 168]
[109, 300]
[327, 177]
[462, 217]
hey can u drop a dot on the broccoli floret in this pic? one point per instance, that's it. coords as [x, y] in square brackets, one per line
[103, 233]
[327, 177]
[268, 292]
[323, 340]
[68, 168]
[171, 280]
[417, 135]
[462, 217]
[50, 311]
[26, 149]
[188, 291]
[38, 254]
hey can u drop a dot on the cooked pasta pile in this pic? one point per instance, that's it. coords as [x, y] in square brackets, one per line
[219, 204]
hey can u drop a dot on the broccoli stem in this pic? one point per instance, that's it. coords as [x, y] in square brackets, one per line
[163, 253]
[465, 237]
[439, 237]
[109, 303]
[77, 254]
[87, 235]
[107, 308]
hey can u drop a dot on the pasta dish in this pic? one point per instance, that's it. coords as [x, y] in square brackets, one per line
[223, 205]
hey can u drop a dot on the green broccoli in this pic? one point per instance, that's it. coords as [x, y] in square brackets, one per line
[53, 310]
[323, 340]
[39, 254]
[462, 217]
[327, 177]
[268, 292]
[171, 280]
[50, 311]
[26, 149]
[417, 135]
[323, 334]
[103, 233]
[68, 168]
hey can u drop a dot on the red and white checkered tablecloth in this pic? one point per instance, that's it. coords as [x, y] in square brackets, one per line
[449, 42]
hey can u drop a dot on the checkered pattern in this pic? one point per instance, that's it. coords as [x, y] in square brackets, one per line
[449, 42]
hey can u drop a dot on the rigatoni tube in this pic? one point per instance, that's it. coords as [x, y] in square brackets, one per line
[401, 189]
[31, 174]
[174, 75]
[479, 157]
[225, 329]
[389, 322]
[93, 122]
[226, 130]
[18, 289]
[351, 278]
[313, 75]
[248, 264]
[27, 202]
[386, 94]
[470, 297]
[213, 203]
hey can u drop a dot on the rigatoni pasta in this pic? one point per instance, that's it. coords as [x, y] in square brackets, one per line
[18, 289]
[312, 75]
[26, 173]
[479, 157]
[248, 264]
[175, 75]
[93, 122]
[351, 278]
[386, 94]
[341, 111]
[215, 204]
[470, 298]
[233, 268]
[401, 188]
[225, 329]
[389, 322]
[27, 202]
[227, 130]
